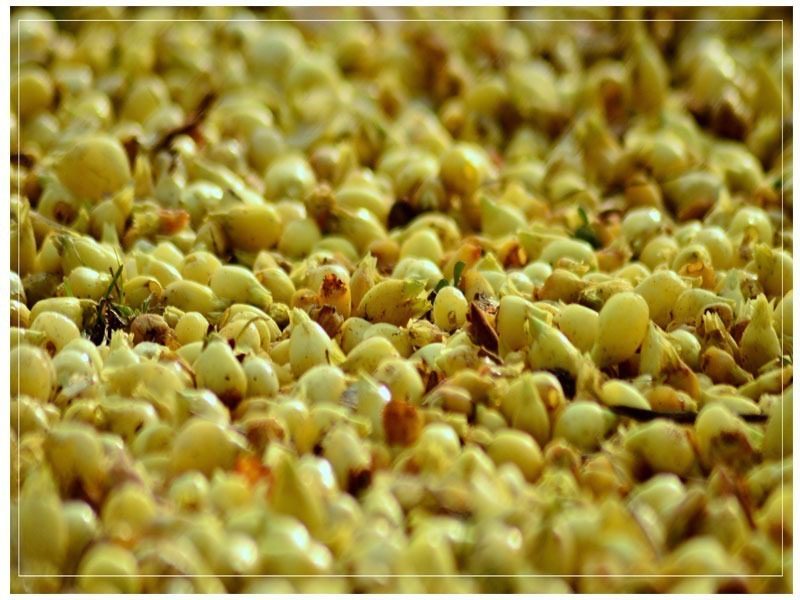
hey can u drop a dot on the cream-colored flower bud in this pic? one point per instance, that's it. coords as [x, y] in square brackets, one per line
[191, 327]
[759, 343]
[774, 268]
[42, 527]
[550, 349]
[577, 250]
[519, 448]
[619, 393]
[661, 290]
[58, 329]
[659, 250]
[278, 283]
[218, 370]
[498, 219]
[524, 408]
[84, 282]
[202, 445]
[450, 308]
[72, 308]
[641, 224]
[751, 216]
[621, 328]
[512, 317]
[394, 301]
[778, 434]
[94, 166]
[351, 333]
[583, 424]
[402, 379]
[109, 569]
[238, 284]
[367, 355]
[423, 244]
[322, 383]
[309, 345]
[723, 437]
[199, 266]
[189, 491]
[32, 372]
[127, 511]
[665, 447]
[579, 324]
[82, 527]
[190, 296]
[261, 377]
[464, 167]
[244, 334]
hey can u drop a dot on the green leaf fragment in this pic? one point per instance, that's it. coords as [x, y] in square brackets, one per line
[442, 284]
[125, 310]
[457, 270]
[113, 285]
[585, 233]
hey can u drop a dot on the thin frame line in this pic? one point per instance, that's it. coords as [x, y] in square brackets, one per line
[407, 575]
[234, 20]
[19, 358]
[783, 208]
[395, 576]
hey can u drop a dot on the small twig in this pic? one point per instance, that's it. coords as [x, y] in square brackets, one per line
[641, 414]
[191, 125]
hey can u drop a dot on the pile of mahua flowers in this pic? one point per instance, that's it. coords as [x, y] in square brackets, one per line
[401, 305]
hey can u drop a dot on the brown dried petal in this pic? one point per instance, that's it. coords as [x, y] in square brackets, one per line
[131, 146]
[401, 213]
[722, 368]
[702, 270]
[172, 220]
[252, 469]
[260, 432]
[153, 328]
[402, 423]
[327, 317]
[685, 517]
[106, 321]
[358, 480]
[514, 256]
[481, 318]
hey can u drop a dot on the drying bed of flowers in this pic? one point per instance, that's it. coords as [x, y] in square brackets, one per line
[401, 306]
